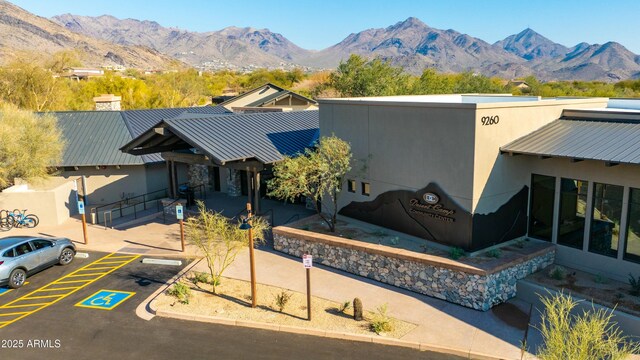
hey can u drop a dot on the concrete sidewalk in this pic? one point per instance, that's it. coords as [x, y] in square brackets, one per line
[496, 333]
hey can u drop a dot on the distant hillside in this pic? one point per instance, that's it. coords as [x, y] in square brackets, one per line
[23, 31]
[410, 43]
[231, 47]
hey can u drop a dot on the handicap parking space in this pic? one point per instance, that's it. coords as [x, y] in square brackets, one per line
[114, 282]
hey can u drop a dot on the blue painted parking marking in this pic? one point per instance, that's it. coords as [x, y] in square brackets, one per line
[4, 290]
[105, 299]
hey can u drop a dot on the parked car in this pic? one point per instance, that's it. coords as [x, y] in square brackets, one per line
[22, 256]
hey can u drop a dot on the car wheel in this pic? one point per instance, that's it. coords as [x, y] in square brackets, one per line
[17, 278]
[66, 257]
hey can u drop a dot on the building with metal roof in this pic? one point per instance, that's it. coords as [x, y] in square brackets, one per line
[92, 142]
[269, 97]
[475, 171]
[244, 146]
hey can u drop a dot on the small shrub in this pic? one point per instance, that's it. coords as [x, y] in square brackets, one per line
[519, 243]
[558, 272]
[494, 253]
[344, 306]
[456, 253]
[357, 309]
[586, 335]
[600, 279]
[635, 285]
[200, 277]
[282, 299]
[394, 240]
[181, 291]
[381, 322]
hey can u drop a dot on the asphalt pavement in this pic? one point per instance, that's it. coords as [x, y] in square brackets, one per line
[98, 321]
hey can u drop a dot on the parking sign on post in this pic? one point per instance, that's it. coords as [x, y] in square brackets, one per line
[180, 216]
[307, 261]
[179, 213]
[80, 207]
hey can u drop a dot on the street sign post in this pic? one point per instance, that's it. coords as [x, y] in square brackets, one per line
[84, 221]
[180, 216]
[307, 262]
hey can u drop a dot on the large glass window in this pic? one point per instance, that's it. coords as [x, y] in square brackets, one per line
[632, 243]
[605, 219]
[573, 210]
[543, 190]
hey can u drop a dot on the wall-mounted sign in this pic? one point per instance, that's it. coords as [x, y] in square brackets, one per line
[431, 198]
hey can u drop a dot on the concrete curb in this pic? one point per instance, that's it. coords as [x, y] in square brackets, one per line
[321, 333]
[147, 308]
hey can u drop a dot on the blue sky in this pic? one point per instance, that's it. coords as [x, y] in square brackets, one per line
[322, 23]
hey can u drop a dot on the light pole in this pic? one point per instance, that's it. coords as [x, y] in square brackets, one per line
[246, 225]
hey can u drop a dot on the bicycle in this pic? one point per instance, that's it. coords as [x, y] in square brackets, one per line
[5, 224]
[18, 219]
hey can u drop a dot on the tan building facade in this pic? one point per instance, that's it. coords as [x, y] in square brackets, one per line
[434, 167]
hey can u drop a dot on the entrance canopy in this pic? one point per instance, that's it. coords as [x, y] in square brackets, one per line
[264, 138]
[609, 136]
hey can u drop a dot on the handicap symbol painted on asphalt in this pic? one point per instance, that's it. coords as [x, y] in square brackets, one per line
[105, 299]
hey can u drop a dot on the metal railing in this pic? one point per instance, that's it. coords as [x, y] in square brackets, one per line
[129, 206]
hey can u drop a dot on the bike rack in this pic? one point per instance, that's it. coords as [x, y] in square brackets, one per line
[104, 217]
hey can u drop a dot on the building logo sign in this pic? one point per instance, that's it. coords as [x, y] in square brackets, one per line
[431, 198]
[431, 209]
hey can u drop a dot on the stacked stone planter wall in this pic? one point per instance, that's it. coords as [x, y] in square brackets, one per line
[438, 277]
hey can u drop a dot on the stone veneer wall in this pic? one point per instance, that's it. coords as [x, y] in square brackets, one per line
[234, 186]
[198, 175]
[426, 274]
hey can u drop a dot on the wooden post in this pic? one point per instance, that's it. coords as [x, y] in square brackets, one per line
[251, 259]
[182, 234]
[309, 294]
[84, 229]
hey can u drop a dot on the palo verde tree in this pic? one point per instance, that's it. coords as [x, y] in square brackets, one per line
[359, 77]
[30, 145]
[317, 174]
[220, 240]
[589, 335]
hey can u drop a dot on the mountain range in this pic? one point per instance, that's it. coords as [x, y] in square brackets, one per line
[410, 43]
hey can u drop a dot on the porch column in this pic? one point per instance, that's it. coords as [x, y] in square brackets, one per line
[256, 180]
[169, 178]
[249, 189]
[234, 186]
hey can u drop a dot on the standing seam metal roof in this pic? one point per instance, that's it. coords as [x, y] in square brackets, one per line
[615, 141]
[245, 136]
[93, 138]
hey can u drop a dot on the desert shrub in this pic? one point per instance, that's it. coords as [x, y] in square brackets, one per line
[600, 279]
[381, 322]
[494, 253]
[519, 243]
[344, 306]
[394, 240]
[589, 335]
[456, 253]
[181, 291]
[557, 272]
[282, 298]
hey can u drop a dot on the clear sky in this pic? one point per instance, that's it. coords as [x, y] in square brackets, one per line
[321, 23]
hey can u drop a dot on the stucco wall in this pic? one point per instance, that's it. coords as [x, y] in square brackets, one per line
[405, 147]
[53, 201]
[493, 182]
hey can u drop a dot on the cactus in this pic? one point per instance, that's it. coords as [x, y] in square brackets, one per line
[357, 309]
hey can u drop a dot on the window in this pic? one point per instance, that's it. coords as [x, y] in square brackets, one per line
[23, 249]
[605, 219]
[543, 190]
[366, 190]
[9, 253]
[573, 210]
[632, 243]
[41, 244]
[351, 186]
